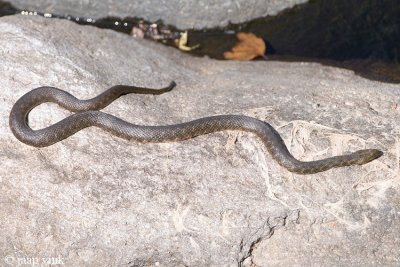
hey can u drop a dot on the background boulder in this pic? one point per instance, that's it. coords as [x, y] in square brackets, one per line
[180, 13]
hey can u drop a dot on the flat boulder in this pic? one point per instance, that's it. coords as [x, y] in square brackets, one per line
[220, 199]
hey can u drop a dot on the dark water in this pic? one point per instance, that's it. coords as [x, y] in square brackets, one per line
[339, 29]
[362, 35]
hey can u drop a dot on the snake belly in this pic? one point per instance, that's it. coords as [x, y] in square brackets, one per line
[87, 114]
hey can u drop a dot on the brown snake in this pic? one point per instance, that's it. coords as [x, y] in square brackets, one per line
[87, 115]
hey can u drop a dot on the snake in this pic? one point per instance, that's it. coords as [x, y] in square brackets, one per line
[86, 113]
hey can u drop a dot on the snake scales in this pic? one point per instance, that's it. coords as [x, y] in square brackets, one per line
[88, 114]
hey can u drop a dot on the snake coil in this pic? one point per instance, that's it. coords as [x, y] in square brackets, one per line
[87, 114]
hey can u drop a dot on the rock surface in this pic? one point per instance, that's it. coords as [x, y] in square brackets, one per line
[183, 14]
[216, 200]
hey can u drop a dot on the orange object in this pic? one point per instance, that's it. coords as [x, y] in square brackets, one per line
[249, 47]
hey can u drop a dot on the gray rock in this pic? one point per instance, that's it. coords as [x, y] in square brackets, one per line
[216, 200]
[182, 14]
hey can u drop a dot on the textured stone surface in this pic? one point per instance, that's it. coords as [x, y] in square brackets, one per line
[216, 200]
[181, 13]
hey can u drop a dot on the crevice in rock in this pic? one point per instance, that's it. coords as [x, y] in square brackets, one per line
[246, 248]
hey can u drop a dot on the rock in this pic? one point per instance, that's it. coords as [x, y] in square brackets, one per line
[215, 200]
[182, 14]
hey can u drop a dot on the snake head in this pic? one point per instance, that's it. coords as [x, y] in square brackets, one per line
[366, 155]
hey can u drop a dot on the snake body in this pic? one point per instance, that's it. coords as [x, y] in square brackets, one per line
[87, 114]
